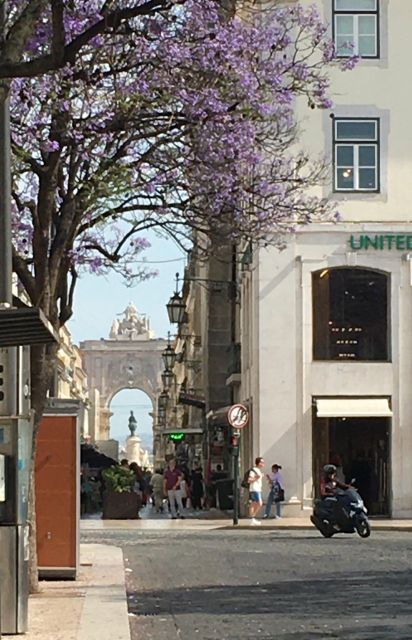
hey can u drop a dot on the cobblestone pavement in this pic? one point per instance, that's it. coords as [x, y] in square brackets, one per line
[236, 585]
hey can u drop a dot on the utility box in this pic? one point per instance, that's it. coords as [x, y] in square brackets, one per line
[15, 452]
[57, 470]
[14, 553]
[19, 328]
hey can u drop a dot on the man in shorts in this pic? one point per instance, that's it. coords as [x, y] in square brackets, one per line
[255, 490]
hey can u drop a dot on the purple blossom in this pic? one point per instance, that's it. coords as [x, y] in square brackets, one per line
[176, 117]
[50, 145]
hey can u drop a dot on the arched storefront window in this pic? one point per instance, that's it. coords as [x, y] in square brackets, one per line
[350, 315]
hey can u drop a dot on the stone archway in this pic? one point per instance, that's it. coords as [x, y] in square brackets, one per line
[129, 359]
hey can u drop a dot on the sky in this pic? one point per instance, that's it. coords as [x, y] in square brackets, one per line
[121, 405]
[98, 299]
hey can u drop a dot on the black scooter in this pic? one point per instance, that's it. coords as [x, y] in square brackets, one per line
[346, 513]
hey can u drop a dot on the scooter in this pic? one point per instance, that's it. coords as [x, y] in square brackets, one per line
[346, 513]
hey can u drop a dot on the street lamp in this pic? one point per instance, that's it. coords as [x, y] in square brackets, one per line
[167, 378]
[163, 400]
[176, 308]
[169, 354]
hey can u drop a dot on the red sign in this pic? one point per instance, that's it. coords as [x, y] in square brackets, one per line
[238, 416]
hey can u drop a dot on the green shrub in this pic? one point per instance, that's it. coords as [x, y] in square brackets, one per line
[119, 479]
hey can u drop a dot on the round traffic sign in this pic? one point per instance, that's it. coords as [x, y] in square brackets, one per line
[238, 416]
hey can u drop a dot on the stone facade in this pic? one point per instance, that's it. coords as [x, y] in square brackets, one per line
[281, 374]
[203, 344]
[70, 380]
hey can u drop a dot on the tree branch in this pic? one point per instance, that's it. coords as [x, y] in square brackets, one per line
[46, 63]
[59, 34]
[20, 32]
[28, 281]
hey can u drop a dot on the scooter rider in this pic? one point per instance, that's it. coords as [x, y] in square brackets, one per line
[329, 486]
[329, 482]
[341, 509]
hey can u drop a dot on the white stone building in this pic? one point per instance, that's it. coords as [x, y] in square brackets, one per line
[326, 325]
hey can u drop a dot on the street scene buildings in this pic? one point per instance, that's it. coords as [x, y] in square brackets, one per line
[323, 325]
[283, 371]
[326, 321]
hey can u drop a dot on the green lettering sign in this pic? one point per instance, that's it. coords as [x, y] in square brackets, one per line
[399, 241]
[177, 437]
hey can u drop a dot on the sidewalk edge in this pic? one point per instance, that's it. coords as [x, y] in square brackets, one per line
[105, 614]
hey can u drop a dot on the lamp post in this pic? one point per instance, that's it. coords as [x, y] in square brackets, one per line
[167, 378]
[169, 354]
[163, 400]
[176, 308]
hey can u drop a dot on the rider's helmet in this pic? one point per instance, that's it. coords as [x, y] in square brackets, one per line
[329, 470]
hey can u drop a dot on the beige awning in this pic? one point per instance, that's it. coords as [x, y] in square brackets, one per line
[353, 408]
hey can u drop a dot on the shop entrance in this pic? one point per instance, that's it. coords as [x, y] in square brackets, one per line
[359, 447]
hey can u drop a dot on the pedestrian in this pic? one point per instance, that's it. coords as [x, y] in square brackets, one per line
[138, 482]
[156, 482]
[172, 478]
[255, 490]
[185, 488]
[147, 490]
[197, 488]
[276, 492]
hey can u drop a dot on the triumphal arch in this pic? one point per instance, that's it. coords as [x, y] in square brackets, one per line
[130, 358]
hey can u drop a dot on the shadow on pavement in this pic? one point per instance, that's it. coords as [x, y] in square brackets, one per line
[371, 606]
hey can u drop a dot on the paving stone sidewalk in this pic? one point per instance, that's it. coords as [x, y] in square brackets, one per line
[221, 520]
[94, 607]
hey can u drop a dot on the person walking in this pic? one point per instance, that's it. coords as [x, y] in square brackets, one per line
[185, 488]
[138, 483]
[255, 490]
[156, 482]
[197, 488]
[277, 491]
[171, 484]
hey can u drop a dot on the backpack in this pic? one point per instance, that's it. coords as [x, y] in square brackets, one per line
[245, 482]
[278, 492]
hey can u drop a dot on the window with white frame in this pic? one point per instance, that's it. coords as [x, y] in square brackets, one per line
[356, 154]
[356, 28]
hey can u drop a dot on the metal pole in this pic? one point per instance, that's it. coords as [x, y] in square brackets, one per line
[5, 181]
[235, 451]
[6, 265]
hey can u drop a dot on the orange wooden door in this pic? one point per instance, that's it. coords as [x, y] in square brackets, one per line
[56, 492]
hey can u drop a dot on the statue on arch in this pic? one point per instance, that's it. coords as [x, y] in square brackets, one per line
[131, 325]
[132, 424]
[130, 312]
[114, 331]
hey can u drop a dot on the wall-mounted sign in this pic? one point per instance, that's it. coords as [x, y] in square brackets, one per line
[192, 400]
[238, 416]
[177, 437]
[396, 241]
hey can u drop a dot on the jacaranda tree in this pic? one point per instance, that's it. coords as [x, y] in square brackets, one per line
[172, 115]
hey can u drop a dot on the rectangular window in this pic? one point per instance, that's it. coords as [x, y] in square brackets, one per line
[356, 154]
[351, 311]
[356, 28]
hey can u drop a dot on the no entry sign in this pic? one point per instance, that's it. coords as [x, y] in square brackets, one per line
[238, 416]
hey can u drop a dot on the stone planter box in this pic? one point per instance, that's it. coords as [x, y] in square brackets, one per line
[121, 506]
